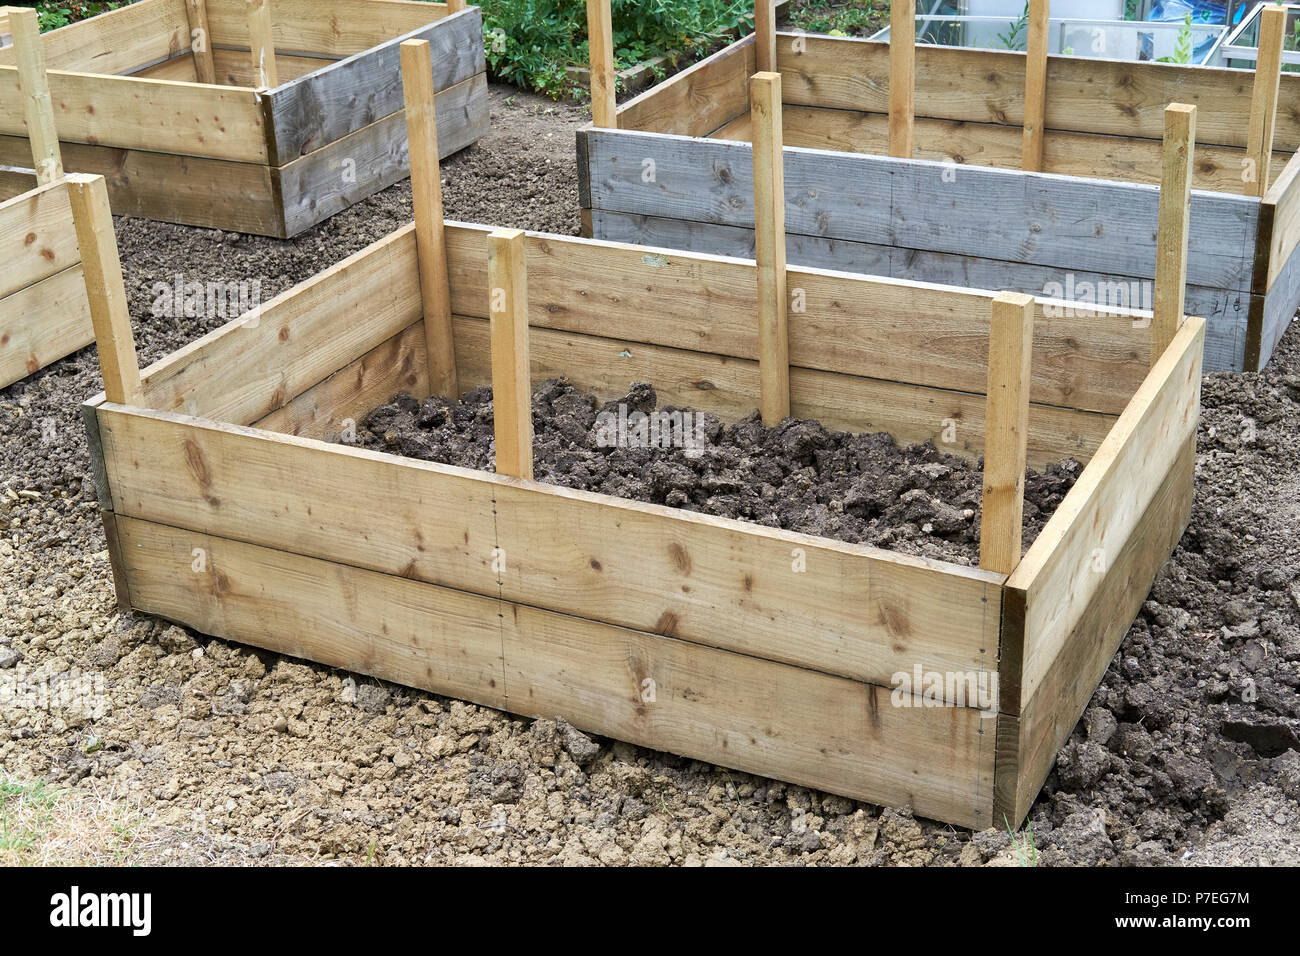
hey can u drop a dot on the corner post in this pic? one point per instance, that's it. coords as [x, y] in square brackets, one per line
[1177, 161]
[455, 6]
[105, 290]
[201, 41]
[511, 383]
[1006, 432]
[1263, 100]
[769, 247]
[38, 107]
[430, 230]
[902, 76]
[600, 43]
[1035, 85]
[765, 35]
[261, 44]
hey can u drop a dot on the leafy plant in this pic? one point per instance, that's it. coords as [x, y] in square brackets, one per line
[52, 15]
[1183, 45]
[1018, 38]
[840, 17]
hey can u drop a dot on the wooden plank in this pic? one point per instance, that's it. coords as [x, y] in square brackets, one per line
[1263, 100]
[314, 111]
[262, 47]
[600, 47]
[105, 287]
[35, 91]
[1280, 307]
[329, 180]
[512, 407]
[42, 323]
[1174, 222]
[201, 42]
[15, 182]
[1035, 85]
[728, 388]
[430, 231]
[902, 76]
[698, 100]
[987, 86]
[1060, 573]
[1283, 200]
[116, 41]
[344, 28]
[192, 119]
[850, 323]
[658, 569]
[754, 715]
[37, 237]
[231, 68]
[215, 193]
[256, 364]
[1037, 218]
[1006, 432]
[770, 265]
[1027, 744]
[765, 36]
[1229, 314]
[327, 410]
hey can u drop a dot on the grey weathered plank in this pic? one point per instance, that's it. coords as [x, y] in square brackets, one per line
[1226, 312]
[316, 110]
[329, 180]
[1280, 307]
[1068, 222]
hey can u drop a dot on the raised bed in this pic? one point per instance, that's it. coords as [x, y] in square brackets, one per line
[229, 507]
[258, 116]
[981, 184]
[44, 309]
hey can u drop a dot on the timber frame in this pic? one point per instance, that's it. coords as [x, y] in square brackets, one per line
[256, 116]
[230, 504]
[989, 169]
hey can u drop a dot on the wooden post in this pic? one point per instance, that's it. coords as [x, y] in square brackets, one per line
[1036, 85]
[765, 35]
[512, 408]
[263, 46]
[902, 76]
[1171, 238]
[1263, 101]
[769, 247]
[105, 289]
[1006, 432]
[201, 41]
[600, 43]
[455, 6]
[430, 231]
[38, 107]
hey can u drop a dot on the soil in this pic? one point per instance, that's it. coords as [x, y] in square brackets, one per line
[862, 489]
[1188, 752]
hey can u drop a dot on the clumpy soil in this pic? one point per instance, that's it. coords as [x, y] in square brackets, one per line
[214, 752]
[862, 489]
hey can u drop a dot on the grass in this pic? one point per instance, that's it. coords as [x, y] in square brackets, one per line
[1022, 844]
[43, 826]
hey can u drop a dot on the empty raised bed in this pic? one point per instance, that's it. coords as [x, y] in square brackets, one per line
[229, 507]
[259, 116]
[1002, 171]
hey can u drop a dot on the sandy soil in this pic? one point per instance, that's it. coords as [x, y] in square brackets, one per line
[1188, 752]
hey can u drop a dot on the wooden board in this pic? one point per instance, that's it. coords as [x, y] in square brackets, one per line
[728, 388]
[341, 28]
[698, 100]
[1084, 95]
[1027, 744]
[654, 568]
[1283, 207]
[43, 323]
[116, 41]
[233, 67]
[192, 119]
[240, 374]
[758, 716]
[37, 237]
[1054, 585]
[1280, 307]
[1039, 218]
[1230, 316]
[319, 109]
[329, 180]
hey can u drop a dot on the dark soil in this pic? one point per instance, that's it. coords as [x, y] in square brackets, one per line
[862, 489]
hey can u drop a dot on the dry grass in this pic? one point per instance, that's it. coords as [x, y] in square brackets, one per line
[43, 826]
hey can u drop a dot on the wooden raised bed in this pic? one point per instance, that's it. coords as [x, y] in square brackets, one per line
[952, 196]
[228, 507]
[44, 311]
[287, 114]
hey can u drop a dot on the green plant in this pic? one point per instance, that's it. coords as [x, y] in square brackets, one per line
[840, 17]
[1018, 38]
[1183, 45]
[1022, 844]
[51, 15]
